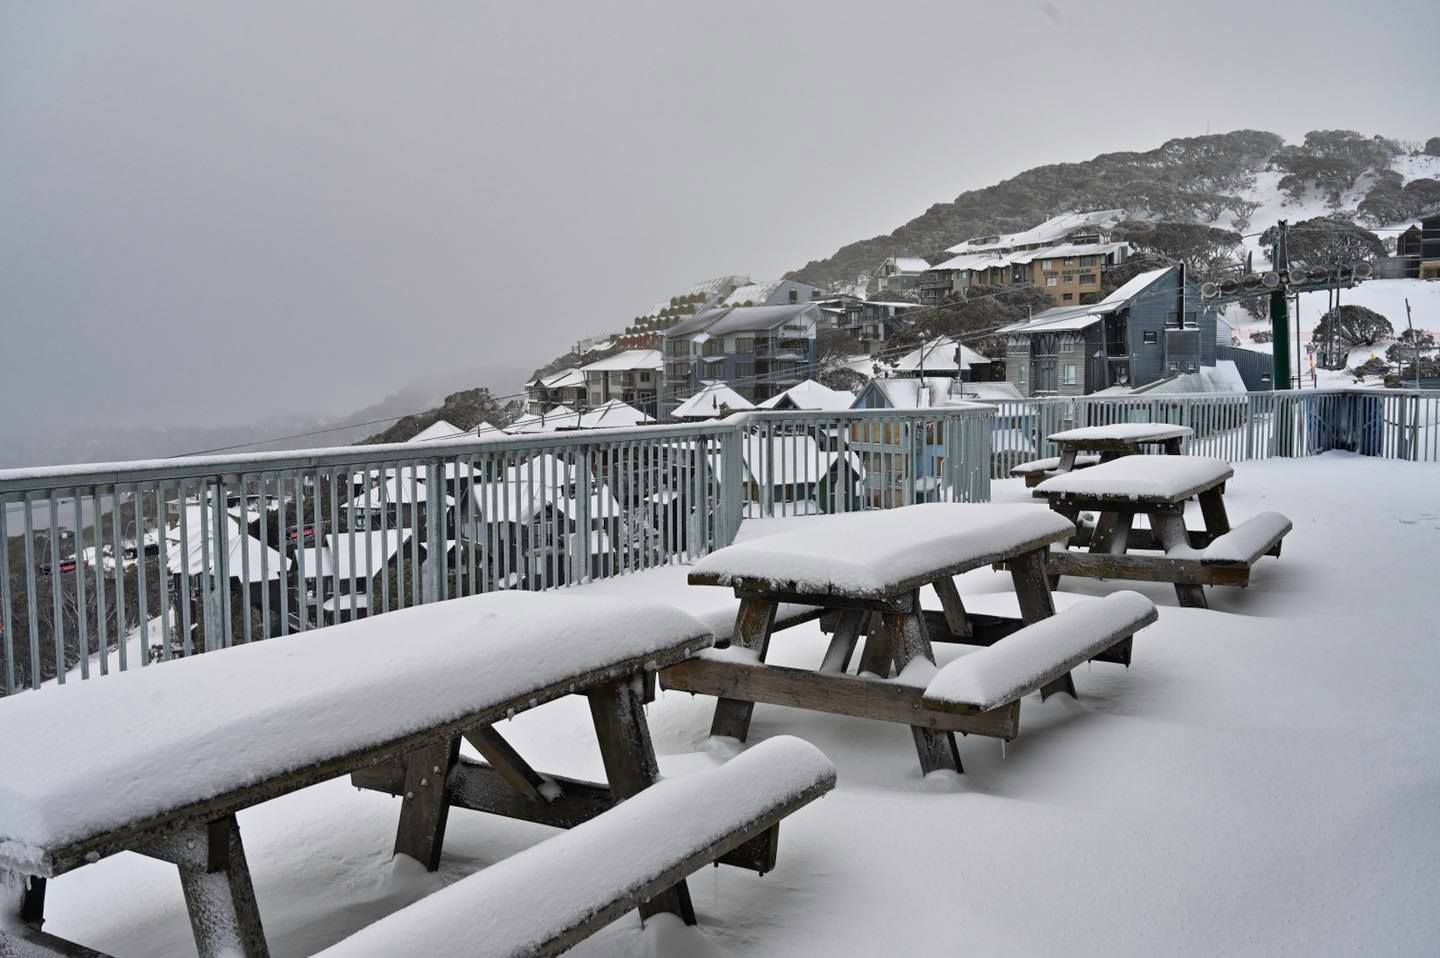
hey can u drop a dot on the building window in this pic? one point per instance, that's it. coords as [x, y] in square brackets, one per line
[1192, 368]
[745, 344]
[1087, 279]
[744, 371]
[1022, 372]
[1067, 296]
[1174, 367]
[1069, 374]
[1151, 337]
[1050, 281]
[1069, 261]
[794, 296]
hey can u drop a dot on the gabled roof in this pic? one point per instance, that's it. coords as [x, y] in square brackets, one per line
[613, 414]
[707, 403]
[986, 392]
[564, 379]
[811, 395]
[442, 430]
[1053, 229]
[938, 355]
[738, 319]
[907, 264]
[758, 294]
[627, 359]
[912, 392]
[548, 421]
[1063, 318]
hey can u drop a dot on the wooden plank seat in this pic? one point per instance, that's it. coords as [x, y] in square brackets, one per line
[1037, 471]
[545, 899]
[1260, 535]
[866, 569]
[1039, 657]
[159, 760]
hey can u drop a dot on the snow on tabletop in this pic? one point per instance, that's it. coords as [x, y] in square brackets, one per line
[1123, 432]
[517, 905]
[1247, 539]
[96, 755]
[1140, 477]
[871, 553]
[1000, 673]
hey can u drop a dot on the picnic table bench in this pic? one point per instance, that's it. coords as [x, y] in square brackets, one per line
[1158, 487]
[160, 760]
[866, 571]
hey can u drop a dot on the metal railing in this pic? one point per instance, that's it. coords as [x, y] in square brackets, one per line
[117, 566]
[1393, 424]
[110, 567]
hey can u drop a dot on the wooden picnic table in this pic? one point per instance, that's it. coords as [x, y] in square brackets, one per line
[866, 571]
[1116, 440]
[159, 761]
[1158, 488]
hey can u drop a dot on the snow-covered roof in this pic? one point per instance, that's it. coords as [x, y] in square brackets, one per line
[548, 421]
[812, 395]
[756, 294]
[738, 319]
[627, 359]
[1223, 377]
[708, 402]
[531, 485]
[240, 545]
[564, 379]
[987, 391]
[939, 354]
[611, 415]
[441, 430]
[908, 264]
[1055, 228]
[914, 392]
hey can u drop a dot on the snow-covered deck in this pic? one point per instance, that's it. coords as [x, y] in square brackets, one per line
[1261, 781]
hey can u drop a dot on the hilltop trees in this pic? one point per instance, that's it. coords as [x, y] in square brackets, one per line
[1203, 249]
[1326, 241]
[466, 409]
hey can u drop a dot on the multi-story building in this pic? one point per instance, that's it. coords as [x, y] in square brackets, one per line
[1152, 328]
[900, 273]
[1430, 246]
[872, 321]
[632, 376]
[1065, 256]
[758, 350]
[564, 388]
[647, 331]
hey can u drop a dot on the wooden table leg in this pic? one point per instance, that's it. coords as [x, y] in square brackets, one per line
[753, 625]
[1169, 529]
[1067, 459]
[618, 711]
[956, 619]
[220, 897]
[1036, 603]
[1175, 447]
[905, 632]
[1112, 533]
[1212, 508]
[425, 804]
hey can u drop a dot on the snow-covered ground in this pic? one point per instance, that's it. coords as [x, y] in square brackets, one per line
[1385, 296]
[1262, 781]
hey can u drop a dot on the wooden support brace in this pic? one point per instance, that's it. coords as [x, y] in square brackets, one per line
[508, 762]
[1032, 589]
[219, 895]
[842, 643]
[425, 804]
[618, 711]
[956, 619]
[1063, 683]
[1212, 509]
[1169, 528]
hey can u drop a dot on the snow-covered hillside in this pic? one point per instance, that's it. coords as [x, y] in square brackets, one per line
[1273, 205]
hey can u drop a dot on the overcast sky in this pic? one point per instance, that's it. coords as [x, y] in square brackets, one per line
[218, 212]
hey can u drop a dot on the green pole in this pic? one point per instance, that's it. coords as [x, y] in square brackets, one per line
[1280, 329]
[1280, 312]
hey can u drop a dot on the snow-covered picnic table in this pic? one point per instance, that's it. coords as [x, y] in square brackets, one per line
[160, 760]
[1158, 487]
[866, 569]
[1092, 445]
